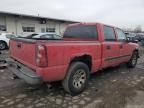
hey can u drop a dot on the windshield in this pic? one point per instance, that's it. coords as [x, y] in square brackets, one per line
[10, 36]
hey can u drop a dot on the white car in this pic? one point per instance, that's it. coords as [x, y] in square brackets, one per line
[44, 36]
[4, 40]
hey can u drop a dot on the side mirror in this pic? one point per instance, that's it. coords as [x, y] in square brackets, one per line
[127, 39]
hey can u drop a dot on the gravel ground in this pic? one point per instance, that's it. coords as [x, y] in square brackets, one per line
[117, 87]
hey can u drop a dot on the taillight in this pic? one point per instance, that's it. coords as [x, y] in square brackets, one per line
[41, 56]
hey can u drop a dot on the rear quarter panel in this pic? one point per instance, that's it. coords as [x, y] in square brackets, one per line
[61, 53]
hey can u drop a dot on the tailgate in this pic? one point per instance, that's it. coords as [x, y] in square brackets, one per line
[23, 50]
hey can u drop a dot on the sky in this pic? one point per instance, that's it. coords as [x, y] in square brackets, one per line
[120, 13]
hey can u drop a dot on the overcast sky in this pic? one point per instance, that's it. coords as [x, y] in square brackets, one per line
[121, 13]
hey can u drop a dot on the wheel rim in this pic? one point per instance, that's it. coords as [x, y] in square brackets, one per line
[134, 59]
[2, 46]
[79, 78]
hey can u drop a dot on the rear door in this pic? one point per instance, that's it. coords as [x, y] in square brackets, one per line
[110, 47]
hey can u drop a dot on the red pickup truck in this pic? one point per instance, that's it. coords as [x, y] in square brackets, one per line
[84, 49]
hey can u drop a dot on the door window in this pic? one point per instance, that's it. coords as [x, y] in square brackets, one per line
[121, 35]
[47, 36]
[109, 34]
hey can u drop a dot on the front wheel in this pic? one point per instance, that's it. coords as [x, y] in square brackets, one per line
[77, 78]
[3, 45]
[133, 61]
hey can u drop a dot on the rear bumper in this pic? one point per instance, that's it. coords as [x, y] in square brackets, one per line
[23, 72]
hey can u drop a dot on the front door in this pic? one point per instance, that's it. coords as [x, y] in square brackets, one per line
[110, 47]
[125, 50]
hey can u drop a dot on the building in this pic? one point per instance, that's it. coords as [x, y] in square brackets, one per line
[21, 24]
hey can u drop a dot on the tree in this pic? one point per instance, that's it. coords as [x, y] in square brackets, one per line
[128, 29]
[138, 29]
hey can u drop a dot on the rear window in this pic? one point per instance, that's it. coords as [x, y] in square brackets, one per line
[82, 31]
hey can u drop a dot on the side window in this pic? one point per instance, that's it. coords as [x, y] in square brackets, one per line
[57, 36]
[46, 36]
[121, 35]
[109, 34]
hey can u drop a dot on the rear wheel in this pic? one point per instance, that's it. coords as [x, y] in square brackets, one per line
[3, 45]
[133, 61]
[77, 78]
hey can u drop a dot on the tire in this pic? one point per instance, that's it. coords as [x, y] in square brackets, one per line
[77, 78]
[133, 61]
[3, 45]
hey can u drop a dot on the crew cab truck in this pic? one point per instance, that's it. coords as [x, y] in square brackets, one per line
[84, 49]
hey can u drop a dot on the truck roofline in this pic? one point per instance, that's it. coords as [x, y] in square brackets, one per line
[91, 23]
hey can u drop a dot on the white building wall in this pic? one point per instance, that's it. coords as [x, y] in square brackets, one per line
[10, 25]
[63, 27]
[14, 25]
[26, 21]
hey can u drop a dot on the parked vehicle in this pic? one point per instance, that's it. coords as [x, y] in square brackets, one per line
[131, 37]
[139, 37]
[4, 40]
[44, 36]
[84, 49]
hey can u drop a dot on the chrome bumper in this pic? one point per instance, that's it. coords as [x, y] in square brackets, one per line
[23, 72]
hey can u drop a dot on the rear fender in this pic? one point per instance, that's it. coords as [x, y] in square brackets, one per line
[78, 55]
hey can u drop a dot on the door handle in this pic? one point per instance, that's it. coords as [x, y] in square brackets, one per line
[108, 47]
[18, 45]
[121, 46]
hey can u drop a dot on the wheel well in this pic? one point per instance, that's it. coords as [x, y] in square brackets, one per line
[5, 43]
[136, 50]
[87, 59]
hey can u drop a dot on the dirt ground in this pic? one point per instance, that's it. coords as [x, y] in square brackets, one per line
[117, 87]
